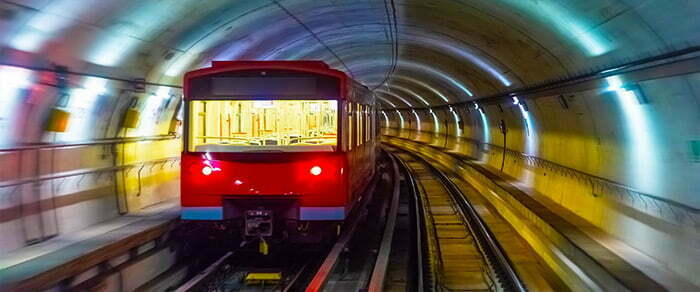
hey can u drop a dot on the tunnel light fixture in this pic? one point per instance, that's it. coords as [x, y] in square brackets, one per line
[634, 87]
[95, 85]
[524, 106]
[574, 27]
[484, 126]
[530, 138]
[387, 101]
[435, 121]
[606, 71]
[162, 93]
[424, 85]
[457, 121]
[413, 93]
[386, 119]
[436, 72]
[14, 77]
[474, 57]
[12, 81]
[641, 132]
[153, 109]
[616, 84]
[394, 95]
[400, 118]
[417, 119]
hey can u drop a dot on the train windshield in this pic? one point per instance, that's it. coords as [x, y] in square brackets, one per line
[263, 125]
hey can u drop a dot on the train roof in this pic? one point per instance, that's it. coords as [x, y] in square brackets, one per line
[310, 66]
[304, 63]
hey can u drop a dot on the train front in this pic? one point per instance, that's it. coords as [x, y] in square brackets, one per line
[262, 149]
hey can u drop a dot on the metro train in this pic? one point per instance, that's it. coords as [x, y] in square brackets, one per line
[280, 150]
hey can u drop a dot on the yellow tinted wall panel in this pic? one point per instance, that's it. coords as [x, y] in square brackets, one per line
[131, 118]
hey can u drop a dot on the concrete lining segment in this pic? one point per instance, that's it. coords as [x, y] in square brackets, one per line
[595, 251]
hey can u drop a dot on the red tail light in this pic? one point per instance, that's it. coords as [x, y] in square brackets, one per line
[316, 170]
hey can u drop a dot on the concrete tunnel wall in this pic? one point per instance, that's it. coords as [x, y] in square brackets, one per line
[416, 54]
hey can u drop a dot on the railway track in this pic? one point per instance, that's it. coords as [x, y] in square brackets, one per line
[439, 243]
[368, 250]
[455, 250]
[230, 273]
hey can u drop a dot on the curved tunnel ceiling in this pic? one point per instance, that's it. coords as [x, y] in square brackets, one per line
[449, 51]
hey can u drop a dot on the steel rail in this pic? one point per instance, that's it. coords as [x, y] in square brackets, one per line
[212, 278]
[322, 276]
[486, 241]
[293, 280]
[425, 277]
[378, 276]
[203, 275]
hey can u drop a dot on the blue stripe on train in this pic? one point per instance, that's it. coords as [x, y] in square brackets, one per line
[321, 213]
[202, 213]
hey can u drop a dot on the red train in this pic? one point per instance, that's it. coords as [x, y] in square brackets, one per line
[281, 149]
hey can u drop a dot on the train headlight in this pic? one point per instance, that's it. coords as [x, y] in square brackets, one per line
[316, 170]
[207, 170]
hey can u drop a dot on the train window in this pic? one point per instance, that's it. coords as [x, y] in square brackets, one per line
[364, 124]
[360, 125]
[350, 134]
[263, 125]
[368, 123]
[373, 117]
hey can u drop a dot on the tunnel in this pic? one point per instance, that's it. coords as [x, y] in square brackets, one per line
[576, 122]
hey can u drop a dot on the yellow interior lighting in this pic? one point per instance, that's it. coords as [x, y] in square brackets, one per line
[263, 125]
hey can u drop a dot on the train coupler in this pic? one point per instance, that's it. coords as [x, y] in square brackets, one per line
[258, 223]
